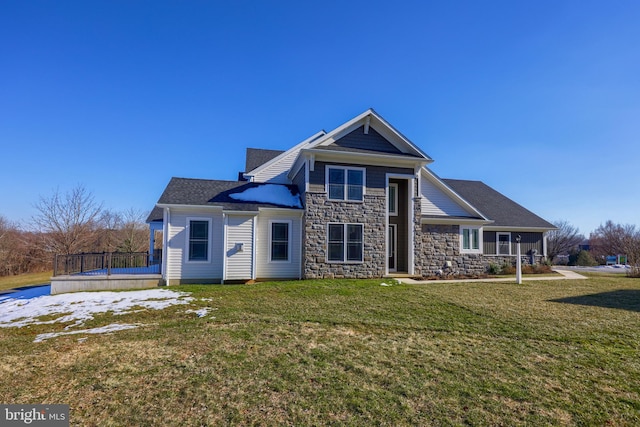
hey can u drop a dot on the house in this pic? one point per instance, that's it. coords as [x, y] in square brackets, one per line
[356, 202]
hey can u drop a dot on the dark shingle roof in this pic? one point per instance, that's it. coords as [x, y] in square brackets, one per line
[155, 215]
[204, 192]
[258, 157]
[495, 206]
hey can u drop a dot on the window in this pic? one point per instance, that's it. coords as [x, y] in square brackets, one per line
[198, 249]
[279, 240]
[345, 243]
[503, 243]
[393, 199]
[345, 183]
[470, 240]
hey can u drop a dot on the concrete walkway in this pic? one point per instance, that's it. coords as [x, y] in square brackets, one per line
[562, 275]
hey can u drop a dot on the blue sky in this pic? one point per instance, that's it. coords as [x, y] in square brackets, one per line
[538, 99]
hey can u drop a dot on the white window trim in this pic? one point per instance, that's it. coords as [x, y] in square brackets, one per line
[498, 234]
[188, 240]
[395, 199]
[480, 242]
[344, 243]
[346, 182]
[290, 225]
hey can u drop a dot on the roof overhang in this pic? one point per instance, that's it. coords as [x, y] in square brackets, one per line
[454, 221]
[506, 228]
[245, 213]
[315, 154]
[299, 211]
[178, 206]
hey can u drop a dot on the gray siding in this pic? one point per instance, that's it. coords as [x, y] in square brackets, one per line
[529, 242]
[372, 141]
[375, 177]
[298, 181]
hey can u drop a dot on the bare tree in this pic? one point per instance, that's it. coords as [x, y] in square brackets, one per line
[68, 222]
[618, 239]
[134, 233]
[19, 253]
[110, 225]
[563, 240]
[607, 240]
[7, 246]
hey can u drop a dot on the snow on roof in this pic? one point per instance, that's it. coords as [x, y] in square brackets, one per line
[269, 193]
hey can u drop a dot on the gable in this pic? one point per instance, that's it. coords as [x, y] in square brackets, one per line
[369, 133]
[358, 140]
[436, 203]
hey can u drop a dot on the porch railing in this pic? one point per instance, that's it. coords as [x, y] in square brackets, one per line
[108, 263]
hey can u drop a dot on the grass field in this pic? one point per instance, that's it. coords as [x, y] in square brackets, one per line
[349, 353]
[10, 282]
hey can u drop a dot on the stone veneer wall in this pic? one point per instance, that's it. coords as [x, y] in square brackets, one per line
[319, 212]
[437, 244]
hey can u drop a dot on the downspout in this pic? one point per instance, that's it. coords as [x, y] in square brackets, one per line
[166, 219]
[225, 222]
[301, 250]
[253, 247]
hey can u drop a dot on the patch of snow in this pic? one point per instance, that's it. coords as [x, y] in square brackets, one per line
[201, 312]
[80, 307]
[384, 284]
[269, 193]
[102, 330]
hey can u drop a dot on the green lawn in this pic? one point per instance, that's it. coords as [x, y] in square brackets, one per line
[10, 282]
[340, 352]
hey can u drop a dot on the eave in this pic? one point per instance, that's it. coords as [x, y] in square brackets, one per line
[454, 221]
[523, 229]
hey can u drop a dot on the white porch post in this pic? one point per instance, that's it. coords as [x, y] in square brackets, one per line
[518, 262]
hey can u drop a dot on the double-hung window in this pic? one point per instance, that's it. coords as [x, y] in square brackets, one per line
[345, 242]
[345, 183]
[280, 232]
[198, 245]
[470, 240]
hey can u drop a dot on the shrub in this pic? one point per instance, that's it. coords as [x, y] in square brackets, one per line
[508, 269]
[585, 259]
[634, 271]
[495, 269]
[536, 269]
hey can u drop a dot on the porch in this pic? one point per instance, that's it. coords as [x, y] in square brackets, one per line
[106, 271]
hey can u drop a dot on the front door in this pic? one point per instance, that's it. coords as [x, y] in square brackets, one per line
[393, 243]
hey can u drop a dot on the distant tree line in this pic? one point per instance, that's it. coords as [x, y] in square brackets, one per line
[68, 223]
[610, 239]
